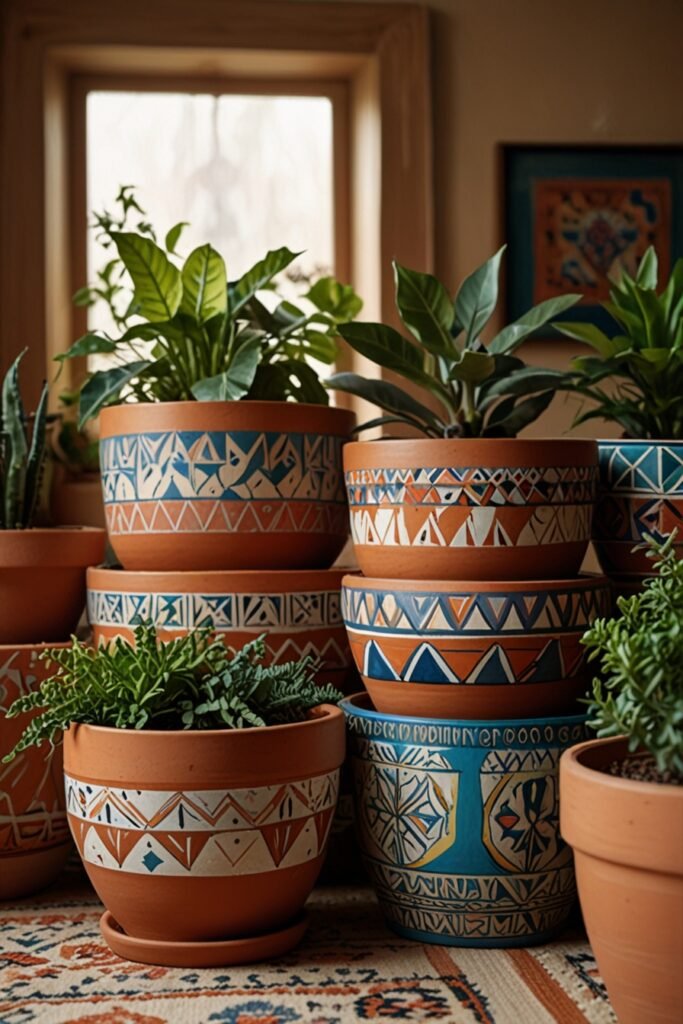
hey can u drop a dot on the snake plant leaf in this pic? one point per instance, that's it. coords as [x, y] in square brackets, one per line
[205, 284]
[393, 399]
[234, 382]
[157, 282]
[106, 385]
[473, 367]
[259, 277]
[477, 296]
[88, 345]
[36, 459]
[514, 334]
[425, 308]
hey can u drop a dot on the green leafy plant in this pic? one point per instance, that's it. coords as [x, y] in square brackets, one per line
[74, 448]
[640, 651]
[185, 332]
[474, 389]
[192, 682]
[643, 360]
[23, 451]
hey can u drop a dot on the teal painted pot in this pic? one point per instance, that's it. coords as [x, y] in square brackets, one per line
[640, 492]
[459, 827]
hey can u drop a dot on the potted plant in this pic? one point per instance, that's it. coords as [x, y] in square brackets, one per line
[76, 485]
[42, 569]
[621, 801]
[467, 500]
[641, 474]
[194, 477]
[200, 785]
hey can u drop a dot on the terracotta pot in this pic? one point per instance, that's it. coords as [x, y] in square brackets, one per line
[628, 847]
[224, 485]
[472, 650]
[640, 492]
[204, 836]
[77, 500]
[298, 611]
[34, 835]
[42, 581]
[458, 823]
[471, 509]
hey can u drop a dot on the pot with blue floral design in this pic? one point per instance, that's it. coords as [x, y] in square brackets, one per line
[640, 492]
[458, 824]
[472, 650]
[224, 485]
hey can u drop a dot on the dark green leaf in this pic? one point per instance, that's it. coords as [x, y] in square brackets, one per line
[527, 381]
[387, 396]
[477, 297]
[473, 367]
[647, 271]
[260, 275]
[523, 413]
[88, 345]
[105, 386]
[514, 334]
[335, 298]
[590, 334]
[234, 382]
[425, 308]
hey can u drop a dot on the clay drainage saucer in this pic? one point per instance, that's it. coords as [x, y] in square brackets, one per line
[220, 953]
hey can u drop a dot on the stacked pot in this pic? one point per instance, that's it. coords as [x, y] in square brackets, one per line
[466, 627]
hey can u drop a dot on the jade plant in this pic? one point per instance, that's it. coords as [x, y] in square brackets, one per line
[184, 331]
[23, 450]
[642, 363]
[192, 682]
[639, 691]
[471, 388]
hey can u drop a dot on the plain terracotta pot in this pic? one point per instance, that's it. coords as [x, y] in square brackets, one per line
[34, 834]
[77, 500]
[224, 485]
[299, 612]
[42, 581]
[472, 650]
[628, 850]
[488, 509]
[209, 835]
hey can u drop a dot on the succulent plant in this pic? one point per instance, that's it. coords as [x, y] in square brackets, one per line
[23, 451]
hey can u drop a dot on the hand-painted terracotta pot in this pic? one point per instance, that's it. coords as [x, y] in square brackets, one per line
[628, 848]
[472, 650]
[224, 485]
[492, 509]
[42, 581]
[458, 823]
[204, 836]
[640, 492]
[299, 612]
[34, 835]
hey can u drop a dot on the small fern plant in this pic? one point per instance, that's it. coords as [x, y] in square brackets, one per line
[639, 691]
[23, 450]
[192, 682]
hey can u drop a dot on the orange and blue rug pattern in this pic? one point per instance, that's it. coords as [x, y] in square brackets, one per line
[56, 969]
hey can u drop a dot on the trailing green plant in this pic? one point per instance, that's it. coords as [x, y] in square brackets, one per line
[640, 653]
[191, 682]
[185, 332]
[23, 450]
[473, 389]
[643, 361]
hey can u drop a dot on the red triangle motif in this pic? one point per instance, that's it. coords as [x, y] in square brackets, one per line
[184, 847]
[323, 820]
[280, 838]
[118, 841]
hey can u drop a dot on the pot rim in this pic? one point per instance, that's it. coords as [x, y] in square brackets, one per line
[447, 586]
[44, 645]
[489, 442]
[42, 531]
[352, 703]
[615, 783]
[233, 575]
[640, 440]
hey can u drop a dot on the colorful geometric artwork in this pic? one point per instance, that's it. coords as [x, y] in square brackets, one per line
[202, 833]
[575, 216]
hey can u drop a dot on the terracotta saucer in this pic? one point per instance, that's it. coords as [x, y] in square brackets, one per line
[221, 953]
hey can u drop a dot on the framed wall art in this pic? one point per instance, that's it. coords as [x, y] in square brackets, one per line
[574, 214]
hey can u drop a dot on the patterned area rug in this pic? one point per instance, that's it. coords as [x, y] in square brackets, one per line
[55, 968]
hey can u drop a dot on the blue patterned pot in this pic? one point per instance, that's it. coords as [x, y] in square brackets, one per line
[458, 823]
[224, 485]
[641, 491]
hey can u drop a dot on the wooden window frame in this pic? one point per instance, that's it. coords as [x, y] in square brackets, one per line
[376, 54]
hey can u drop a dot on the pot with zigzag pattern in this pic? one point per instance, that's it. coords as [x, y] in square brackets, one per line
[458, 824]
[640, 492]
[472, 650]
[224, 485]
[471, 509]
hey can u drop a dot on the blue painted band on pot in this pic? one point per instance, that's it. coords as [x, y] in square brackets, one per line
[641, 468]
[459, 827]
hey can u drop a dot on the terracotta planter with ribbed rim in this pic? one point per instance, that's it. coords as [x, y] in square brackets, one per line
[627, 838]
[224, 485]
[471, 509]
[34, 835]
[195, 837]
[42, 581]
[299, 612]
[472, 650]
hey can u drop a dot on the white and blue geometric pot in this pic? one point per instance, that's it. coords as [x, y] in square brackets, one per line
[641, 492]
[458, 824]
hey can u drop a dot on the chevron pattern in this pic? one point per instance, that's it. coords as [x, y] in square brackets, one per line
[644, 468]
[200, 833]
[191, 516]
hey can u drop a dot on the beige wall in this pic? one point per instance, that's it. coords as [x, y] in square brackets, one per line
[603, 71]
